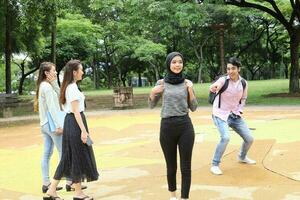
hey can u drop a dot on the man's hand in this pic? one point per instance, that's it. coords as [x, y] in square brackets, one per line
[215, 88]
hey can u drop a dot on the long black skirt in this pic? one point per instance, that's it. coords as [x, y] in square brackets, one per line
[78, 161]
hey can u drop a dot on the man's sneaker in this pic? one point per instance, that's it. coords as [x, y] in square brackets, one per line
[173, 198]
[247, 161]
[216, 170]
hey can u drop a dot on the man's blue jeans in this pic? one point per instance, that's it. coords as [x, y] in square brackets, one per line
[240, 127]
[50, 140]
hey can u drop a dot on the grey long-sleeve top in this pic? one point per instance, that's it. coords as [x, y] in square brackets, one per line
[175, 100]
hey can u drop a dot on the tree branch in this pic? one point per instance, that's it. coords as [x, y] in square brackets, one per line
[274, 5]
[293, 15]
[250, 43]
[18, 65]
[292, 4]
[276, 15]
[297, 8]
[31, 71]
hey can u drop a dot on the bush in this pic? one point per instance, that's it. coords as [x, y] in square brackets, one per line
[87, 84]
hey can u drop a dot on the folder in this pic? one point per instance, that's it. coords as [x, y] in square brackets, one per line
[61, 118]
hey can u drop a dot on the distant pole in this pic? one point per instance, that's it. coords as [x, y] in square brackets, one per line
[221, 29]
[222, 57]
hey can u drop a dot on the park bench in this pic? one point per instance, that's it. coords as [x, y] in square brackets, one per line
[7, 102]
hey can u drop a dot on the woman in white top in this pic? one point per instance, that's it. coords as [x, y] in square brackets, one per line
[46, 101]
[78, 161]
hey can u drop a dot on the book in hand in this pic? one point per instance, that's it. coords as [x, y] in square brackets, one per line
[61, 118]
[89, 141]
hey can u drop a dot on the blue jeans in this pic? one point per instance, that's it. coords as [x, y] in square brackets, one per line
[240, 127]
[50, 139]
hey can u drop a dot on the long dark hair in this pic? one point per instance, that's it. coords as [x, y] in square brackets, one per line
[44, 67]
[71, 66]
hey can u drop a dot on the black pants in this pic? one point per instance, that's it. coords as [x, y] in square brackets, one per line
[178, 131]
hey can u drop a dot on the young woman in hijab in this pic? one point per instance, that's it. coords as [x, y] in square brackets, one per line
[176, 128]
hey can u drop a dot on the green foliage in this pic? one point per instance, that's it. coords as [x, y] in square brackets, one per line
[87, 84]
[76, 38]
[149, 51]
[118, 39]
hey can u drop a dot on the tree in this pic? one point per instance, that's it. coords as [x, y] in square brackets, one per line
[31, 39]
[11, 11]
[76, 39]
[52, 9]
[289, 17]
[151, 53]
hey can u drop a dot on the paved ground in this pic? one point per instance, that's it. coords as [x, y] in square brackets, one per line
[132, 166]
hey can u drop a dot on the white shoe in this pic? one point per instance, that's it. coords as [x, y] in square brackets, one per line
[216, 170]
[173, 198]
[247, 160]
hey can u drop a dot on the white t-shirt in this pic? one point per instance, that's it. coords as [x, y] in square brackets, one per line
[73, 94]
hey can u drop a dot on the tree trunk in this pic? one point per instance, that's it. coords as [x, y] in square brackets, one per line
[95, 73]
[273, 70]
[155, 71]
[252, 75]
[58, 72]
[200, 59]
[294, 50]
[8, 48]
[109, 76]
[286, 70]
[23, 77]
[21, 84]
[140, 78]
[124, 80]
[120, 77]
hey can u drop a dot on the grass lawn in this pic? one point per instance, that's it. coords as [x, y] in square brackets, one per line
[256, 94]
[103, 98]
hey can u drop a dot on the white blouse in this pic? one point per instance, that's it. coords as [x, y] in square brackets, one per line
[73, 94]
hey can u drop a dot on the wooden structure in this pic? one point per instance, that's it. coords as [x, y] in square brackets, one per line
[123, 97]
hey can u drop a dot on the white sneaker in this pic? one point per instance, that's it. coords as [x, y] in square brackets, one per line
[216, 170]
[247, 160]
[173, 198]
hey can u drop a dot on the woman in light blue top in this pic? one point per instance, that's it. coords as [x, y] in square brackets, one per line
[47, 101]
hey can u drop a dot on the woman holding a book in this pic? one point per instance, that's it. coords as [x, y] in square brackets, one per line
[46, 102]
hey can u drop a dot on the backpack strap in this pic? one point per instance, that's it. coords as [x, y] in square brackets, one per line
[244, 86]
[224, 87]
